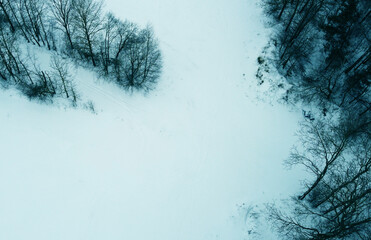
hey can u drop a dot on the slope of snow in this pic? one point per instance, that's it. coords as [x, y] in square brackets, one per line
[172, 164]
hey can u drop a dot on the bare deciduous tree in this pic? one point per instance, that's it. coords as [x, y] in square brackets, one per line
[336, 205]
[324, 145]
[4, 6]
[117, 38]
[141, 62]
[62, 76]
[15, 70]
[33, 21]
[130, 56]
[62, 12]
[87, 16]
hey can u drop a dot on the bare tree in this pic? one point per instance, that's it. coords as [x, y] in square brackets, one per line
[62, 12]
[118, 36]
[62, 77]
[33, 21]
[323, 50]
[324, 146]
[126, 34]
[110, 35]
[43, 87]
[141, 63]
[4, 6]
[87, 16]
[337, 204]
[8, 50]
[130, 56]
[13, 10]
[15, 70]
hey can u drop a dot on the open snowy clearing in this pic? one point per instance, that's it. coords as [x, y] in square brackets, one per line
[173, 164]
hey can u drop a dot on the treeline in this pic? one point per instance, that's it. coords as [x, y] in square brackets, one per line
[76, 29]
[322, 48]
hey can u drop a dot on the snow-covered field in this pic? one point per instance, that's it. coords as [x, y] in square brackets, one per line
[176, 163]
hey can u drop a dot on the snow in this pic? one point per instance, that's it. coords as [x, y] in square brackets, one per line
[175, 163]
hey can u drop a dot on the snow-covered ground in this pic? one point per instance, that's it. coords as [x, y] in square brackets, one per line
[177, 163]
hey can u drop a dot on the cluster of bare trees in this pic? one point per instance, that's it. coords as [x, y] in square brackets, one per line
[337, 199]
[79, 30]
[21, 70]
[322, 47]
[120, 50]
[129, 55]
[30, 18]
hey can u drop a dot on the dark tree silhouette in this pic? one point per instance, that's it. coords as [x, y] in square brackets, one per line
[118, 36]
[140, 64]
[121, 51]
[62, 12]
[322, 48]
[336, 205]
[87, 16]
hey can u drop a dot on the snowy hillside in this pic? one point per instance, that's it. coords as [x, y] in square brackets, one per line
[176, 163]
